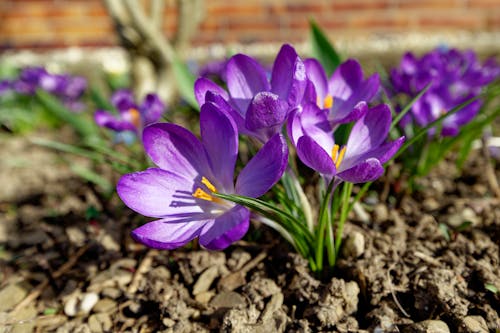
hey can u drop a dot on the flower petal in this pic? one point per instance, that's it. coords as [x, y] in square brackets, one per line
[314, 156]
[111, 121]
[366, 171]
[174, 148]
[345, 79]
[220, 139]
[123, 100]
[288, 78]
[348, 88]
[264, 169]
[317, 75]
[165, 235]
[152, 108]
[159, 193]
[222, 104]
[202, 85]
[266, 110]
[315, 125]
[385, 152]
[225, 229]
[245, 78]
[369, 131]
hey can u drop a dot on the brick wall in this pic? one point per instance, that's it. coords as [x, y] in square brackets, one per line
[62, 23]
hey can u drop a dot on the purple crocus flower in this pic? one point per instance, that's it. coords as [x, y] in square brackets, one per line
[180, 191]
[215, 69]
[5, 86]
[342, 91]
[259, 106]
[360, 159]
[130, 117]
[455, 77]
[29, 80]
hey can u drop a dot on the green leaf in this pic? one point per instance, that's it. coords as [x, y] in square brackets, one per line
[322, 49]
[185, 82]
[464, 226]
[86, 128]
[445, 231]
[92, 177]
[436, 122]
[99, 100]
[491, 287]
[407, 108]
[91, 213]
[49, 311]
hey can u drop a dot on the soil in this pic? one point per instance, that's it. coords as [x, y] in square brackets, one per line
[426, 262]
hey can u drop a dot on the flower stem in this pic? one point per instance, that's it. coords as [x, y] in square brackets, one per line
[344, 211]
[323, 221]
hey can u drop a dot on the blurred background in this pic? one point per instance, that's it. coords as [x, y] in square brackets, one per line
[355, 24]
[138, 37]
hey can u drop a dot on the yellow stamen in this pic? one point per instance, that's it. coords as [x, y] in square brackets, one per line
[328, 102]
[204, 195]
[335, 151]
[208, 184]
[341, 157]
[200, 194]
[135, 117]
[336, 156]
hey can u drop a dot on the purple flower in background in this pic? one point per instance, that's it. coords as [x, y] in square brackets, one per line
[258, 105]
[130, 117]
[214, 68]
[455, 77]
[360, 159]
[180, 191]
[5, 86]
[69, 89]
[342, 91]
[29, 80]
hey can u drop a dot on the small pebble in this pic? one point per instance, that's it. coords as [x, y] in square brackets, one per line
[100, 322]
[112, 293]
[466, 215]
[354, 245]
[228, 299]
[428, 326]
[105, 305]
[205, 296]
[168, 322]
[475, 324]
[76, 236]
[380, 213]
[430, 204]
[205, 280]
[11, 295]
[51, 323]
[80, 304]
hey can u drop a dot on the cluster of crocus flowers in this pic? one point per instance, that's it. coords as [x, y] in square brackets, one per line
[454, 77]
[296, 98]
[68, 88]
[130, 117]
[182, 190]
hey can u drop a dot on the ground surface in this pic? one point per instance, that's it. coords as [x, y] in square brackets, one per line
[63, 269]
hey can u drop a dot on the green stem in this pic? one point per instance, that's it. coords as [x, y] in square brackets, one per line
[330, 240]
[323, 221]
[344, 211]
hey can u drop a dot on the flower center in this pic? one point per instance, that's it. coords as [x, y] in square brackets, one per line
[204, 195]
[135, 117]
[337, 156]
[327, 102]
